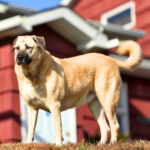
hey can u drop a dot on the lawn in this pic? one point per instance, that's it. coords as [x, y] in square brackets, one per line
[129, 145]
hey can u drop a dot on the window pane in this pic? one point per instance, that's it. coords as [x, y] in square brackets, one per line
[121, 18]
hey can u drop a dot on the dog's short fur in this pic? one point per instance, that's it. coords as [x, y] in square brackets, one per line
[63, 83]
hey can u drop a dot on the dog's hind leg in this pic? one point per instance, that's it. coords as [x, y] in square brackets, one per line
[98, 113]
[111, 115]
[109, 98]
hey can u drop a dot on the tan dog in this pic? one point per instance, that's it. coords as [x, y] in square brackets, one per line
[55, 85]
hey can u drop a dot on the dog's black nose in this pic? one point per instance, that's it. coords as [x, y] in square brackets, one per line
[20, 57]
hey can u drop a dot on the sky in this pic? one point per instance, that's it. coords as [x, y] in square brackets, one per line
[34, 4]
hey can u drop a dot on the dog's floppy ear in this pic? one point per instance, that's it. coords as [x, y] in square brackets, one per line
[14, 42]
[40, 41]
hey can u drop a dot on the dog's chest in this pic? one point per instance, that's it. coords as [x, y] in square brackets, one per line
[34, 95]
[32, 92]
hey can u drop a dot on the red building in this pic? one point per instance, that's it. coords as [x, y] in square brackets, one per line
[131, 15]
[67, 34]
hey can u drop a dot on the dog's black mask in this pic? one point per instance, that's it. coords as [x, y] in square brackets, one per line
[23, 59]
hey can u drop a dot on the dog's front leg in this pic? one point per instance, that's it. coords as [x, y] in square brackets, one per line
[32, 119]
[55, 111]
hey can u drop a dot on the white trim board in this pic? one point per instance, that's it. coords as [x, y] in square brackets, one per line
[62, 13]
[65, 2]
[3, 8]
[123, 109]
[10, 22]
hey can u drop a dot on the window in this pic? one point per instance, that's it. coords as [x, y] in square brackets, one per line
[123, 15]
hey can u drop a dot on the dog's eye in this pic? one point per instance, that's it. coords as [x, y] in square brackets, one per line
[17, 48]
[27, 47]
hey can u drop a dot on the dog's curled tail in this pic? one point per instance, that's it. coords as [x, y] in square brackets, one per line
[135, 55]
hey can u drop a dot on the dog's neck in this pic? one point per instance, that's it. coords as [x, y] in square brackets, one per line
[36, 75]
[32, 70]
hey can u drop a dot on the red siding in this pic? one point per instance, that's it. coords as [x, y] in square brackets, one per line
[8, 76]
[9, 95]
[138, 87]
[142, 20]
[92, 9]
[141, 7]
[86, 124]
[6, 57]
[9, 103]
[142, 12]
[139, 104]
[9, 129]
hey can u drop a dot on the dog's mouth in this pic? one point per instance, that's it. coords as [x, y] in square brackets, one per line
[24, 62]
[21, 59]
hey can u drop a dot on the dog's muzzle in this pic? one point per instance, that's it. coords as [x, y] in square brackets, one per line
[23, 59]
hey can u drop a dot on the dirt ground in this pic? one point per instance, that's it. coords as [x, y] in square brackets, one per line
[129, 145]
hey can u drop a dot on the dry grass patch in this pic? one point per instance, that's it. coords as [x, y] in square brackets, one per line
[130, 145]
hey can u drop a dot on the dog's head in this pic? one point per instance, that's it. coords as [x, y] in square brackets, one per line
[28, 48]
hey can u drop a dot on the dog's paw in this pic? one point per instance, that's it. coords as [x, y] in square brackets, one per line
[59, 145]
[102, 142]
[113, 141]
[29, 141]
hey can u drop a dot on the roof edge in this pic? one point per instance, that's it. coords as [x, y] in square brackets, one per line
[135, 33]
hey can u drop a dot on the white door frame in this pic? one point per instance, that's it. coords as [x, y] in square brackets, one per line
[123, 109]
